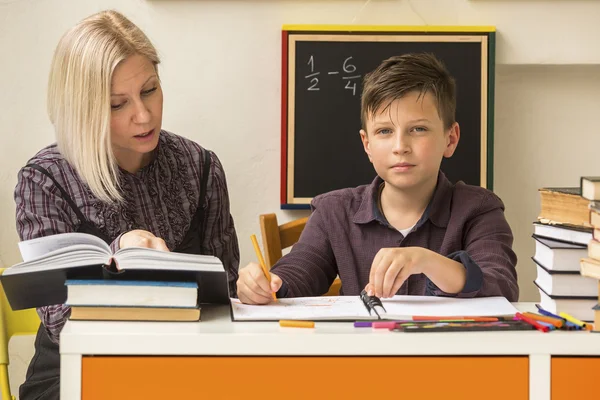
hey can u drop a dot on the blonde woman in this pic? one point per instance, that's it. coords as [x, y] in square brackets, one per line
[114, 172]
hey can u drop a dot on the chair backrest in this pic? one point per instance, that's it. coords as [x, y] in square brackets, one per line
[277, 237]
[22, 322]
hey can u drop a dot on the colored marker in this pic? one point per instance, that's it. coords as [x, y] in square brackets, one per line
[572, 319]
[532, 322]
[454, 318]
[384, 325]
[296, 324]
[547, 313]
[557, 323]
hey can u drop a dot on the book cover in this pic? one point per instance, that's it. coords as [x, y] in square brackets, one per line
[558, 256]
[563, 233]
[94, 313]
[51, 260]
[590, 187]
[569, 191]
[565, 283]
[590, 267]
[563, 206]
[119, 282]
[579, 307]
[124, 293]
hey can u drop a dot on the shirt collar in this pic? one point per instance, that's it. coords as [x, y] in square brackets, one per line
[437, 211]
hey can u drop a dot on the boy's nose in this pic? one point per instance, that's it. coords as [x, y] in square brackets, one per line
[401, 144]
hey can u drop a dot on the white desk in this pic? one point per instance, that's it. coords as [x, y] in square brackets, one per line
[217, 338]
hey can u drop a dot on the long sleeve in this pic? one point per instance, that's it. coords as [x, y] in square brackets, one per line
[309, 268]
[488, 255]
[40, 211]
[220, 238]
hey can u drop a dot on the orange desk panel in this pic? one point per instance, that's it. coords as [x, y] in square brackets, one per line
[154, 377]
[574, 377]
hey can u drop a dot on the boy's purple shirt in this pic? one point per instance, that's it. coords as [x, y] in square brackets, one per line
[346, 230]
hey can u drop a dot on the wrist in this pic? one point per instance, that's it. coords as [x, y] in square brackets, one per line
[428, 260]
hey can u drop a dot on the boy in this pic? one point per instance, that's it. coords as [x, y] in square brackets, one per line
[410, 231]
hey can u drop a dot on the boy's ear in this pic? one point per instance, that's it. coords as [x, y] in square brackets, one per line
[452, 140]
[365, 141]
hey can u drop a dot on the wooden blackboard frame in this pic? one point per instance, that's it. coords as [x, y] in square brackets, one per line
[298, 33]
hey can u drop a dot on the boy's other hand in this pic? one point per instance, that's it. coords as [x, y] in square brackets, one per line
[392, 266]
[253, 286]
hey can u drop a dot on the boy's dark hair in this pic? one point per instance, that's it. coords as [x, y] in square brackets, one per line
[399, 75]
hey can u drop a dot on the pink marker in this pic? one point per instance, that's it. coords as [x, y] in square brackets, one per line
[384, 325]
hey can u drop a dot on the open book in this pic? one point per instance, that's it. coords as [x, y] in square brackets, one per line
[48, 261]
[363, 307]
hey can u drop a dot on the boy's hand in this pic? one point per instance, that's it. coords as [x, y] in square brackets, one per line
[253, 286]
[392, 266]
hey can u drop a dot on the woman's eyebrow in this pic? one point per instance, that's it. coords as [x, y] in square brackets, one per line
[122, 94]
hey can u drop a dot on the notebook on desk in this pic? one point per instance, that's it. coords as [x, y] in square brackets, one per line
[363, 307]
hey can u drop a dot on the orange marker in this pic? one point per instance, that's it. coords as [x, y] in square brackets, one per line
[261, 261]
[532, 322]
[553, 321]
[296, 324]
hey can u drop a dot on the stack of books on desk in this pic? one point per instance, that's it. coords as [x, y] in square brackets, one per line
[114, 278]
[561, 235]
[123, 300]
[590, 265]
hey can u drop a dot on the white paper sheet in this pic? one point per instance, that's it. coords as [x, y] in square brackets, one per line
[352, 308]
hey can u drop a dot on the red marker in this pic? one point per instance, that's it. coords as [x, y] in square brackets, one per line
[532, 322]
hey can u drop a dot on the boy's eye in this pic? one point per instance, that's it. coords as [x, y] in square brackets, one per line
[419, 129]
[384, 131]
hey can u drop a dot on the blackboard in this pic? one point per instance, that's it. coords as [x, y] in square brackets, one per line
[322, 75]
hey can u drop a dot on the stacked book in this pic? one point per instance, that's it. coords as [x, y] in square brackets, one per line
[561, 234]
[590, 265]
[133, 283]
[126, 300]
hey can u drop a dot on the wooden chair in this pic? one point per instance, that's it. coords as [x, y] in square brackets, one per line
[277, 237]
[22, 322]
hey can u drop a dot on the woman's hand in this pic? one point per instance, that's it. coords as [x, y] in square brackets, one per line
[141, 238]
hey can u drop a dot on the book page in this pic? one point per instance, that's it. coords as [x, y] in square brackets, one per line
[35, 248]
[73, 256]
[401, 307]
[152, 259]
[303, 308]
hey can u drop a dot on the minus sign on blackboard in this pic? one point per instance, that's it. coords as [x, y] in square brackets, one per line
[333, 72]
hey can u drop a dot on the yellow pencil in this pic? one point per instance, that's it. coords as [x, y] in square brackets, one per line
[296, 324]
[261, 261]
[572, 319]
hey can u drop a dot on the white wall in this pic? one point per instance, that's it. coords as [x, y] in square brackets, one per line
[221, 77]
[546, 135]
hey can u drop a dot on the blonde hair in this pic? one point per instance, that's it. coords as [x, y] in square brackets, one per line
[79, 89]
